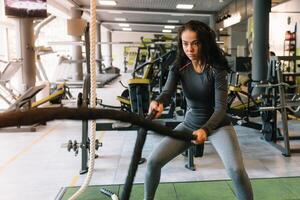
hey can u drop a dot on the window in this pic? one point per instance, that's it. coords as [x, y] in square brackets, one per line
[3, 35]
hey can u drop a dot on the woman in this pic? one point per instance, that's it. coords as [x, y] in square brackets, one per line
[202, 70]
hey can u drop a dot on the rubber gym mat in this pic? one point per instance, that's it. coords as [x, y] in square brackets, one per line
[204, 190]
[264, 189]
[275, 188]
[293, 184]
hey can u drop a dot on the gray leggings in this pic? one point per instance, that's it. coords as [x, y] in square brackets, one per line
[226, 144]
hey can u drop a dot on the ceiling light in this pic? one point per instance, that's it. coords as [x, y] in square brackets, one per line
[124, 25]
[107, 3]
[173, 21]
[184, 6]
[127, 29]
[120, 19]
[221, 1]
[169, 27]
[221, 29]
[167, 31]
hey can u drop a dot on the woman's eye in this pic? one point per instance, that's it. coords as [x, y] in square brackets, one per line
[195, 44]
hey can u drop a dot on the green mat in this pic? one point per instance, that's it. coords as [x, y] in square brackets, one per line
[264, 189]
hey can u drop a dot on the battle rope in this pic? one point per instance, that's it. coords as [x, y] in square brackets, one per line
[40, 115]
[135, 158]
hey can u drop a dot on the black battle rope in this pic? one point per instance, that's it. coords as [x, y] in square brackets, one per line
[42, 115]
[135, 158]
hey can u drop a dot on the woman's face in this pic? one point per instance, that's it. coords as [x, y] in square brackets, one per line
[190, 44]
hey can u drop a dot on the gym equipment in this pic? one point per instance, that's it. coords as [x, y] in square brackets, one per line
[155, 74]
[196, 150]
[275, 99]
[19, 101]
[153, 48]
[7, 92]
[74, 146]
[247, 104]
[157, 68]
[57, 93]
[136, 97]
[25, 101]
[61, 71]
[101, 79]
[139, 90]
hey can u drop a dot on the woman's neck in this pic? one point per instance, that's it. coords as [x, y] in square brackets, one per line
[198, 66]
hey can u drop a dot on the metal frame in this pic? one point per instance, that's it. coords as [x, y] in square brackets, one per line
[278, 135]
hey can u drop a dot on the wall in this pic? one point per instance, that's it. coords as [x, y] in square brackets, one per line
[279, 25]
[238, 38]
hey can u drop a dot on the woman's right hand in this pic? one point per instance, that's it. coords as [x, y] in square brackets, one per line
[156, 106]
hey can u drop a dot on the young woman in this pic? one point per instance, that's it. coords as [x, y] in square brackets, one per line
[202, 70]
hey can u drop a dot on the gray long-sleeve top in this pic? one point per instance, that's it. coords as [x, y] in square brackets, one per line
[205, 93]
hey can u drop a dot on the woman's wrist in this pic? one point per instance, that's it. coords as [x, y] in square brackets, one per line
[205, 130]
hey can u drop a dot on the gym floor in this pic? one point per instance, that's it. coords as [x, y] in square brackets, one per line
[34, 166]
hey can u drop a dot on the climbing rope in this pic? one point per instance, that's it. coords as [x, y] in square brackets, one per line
[93, 97]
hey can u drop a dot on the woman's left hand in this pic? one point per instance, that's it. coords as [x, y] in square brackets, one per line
[201, 136]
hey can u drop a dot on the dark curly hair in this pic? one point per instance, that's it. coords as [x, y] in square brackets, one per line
[210, 54]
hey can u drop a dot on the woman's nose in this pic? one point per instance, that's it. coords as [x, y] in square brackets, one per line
[189, 48]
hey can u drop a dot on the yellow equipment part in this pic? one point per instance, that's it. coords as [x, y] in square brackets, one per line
[148, 68]
[61, 86]
[147, 71]
[293, 117]
[234, 88]
[123, 100]
[60, 92]
[138, 81]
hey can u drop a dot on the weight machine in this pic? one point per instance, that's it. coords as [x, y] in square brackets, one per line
[247, 104]
[8, 94]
